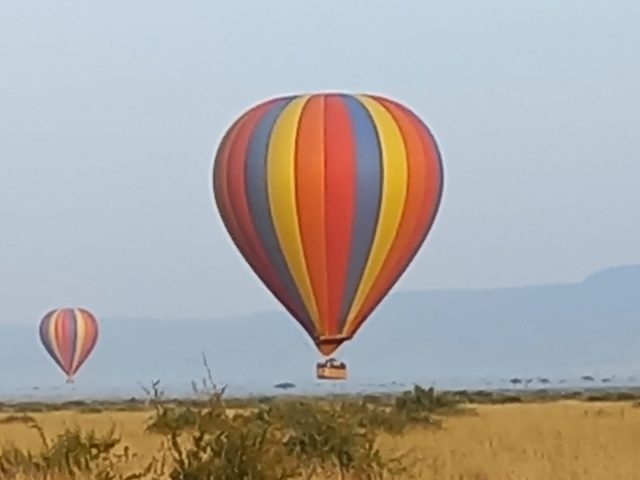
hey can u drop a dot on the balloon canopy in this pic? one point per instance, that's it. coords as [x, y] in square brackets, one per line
[69, 336]
[328, 197]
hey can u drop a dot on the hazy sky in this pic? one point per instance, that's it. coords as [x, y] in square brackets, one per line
[110, 113]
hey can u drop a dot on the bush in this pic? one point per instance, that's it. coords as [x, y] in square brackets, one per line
[259, 439]
[274, 440]
[419, 405]
[73, 454]
[329, 438]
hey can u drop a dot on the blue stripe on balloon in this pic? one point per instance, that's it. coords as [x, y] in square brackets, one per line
[46, 340]
[258, 199]
[368, 194]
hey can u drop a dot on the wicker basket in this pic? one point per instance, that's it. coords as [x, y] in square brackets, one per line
[331, 370]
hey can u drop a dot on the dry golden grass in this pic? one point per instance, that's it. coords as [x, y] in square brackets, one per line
[555, 441]
[129, 425]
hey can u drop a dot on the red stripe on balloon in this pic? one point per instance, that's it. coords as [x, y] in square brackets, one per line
[340, 180]
[63, 339]
[310, 200]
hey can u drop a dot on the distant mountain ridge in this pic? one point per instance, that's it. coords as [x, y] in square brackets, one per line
[591, 327]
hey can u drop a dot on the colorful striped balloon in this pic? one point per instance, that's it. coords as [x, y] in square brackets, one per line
[328, 197]
[69, 335]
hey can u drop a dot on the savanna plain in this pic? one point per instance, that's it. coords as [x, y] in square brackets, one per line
[462, 435]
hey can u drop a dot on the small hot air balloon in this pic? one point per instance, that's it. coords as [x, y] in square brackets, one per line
[69, 335]
[328, 197]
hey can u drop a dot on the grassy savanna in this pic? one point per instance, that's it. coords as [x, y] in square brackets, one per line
[421, 434]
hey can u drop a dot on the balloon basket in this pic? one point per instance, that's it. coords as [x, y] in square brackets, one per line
[70, 380]
[331, 370]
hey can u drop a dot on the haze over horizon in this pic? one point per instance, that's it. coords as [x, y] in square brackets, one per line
[450, 338]
[111, 114]
[277, 308]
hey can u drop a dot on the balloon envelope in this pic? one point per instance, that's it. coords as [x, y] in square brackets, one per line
[328, 197]
[69, 336]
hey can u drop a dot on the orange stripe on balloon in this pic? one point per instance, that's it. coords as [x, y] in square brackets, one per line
[419, 210]
[433, 182]
[310, 185]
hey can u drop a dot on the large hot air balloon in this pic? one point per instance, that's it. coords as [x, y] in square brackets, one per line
[69, 335]
[328, 197]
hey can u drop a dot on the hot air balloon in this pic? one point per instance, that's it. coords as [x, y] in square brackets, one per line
[69, 335]
[328, 197]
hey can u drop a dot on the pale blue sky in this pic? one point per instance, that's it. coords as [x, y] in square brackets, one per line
[110, 113]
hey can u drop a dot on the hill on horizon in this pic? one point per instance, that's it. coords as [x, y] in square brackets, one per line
[432, 336]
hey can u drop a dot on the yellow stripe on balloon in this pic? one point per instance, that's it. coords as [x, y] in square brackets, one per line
[80, 337]
[394, 192]
[281, 187]
[53, 323]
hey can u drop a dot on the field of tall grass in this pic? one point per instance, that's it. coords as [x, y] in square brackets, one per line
[420, 434]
